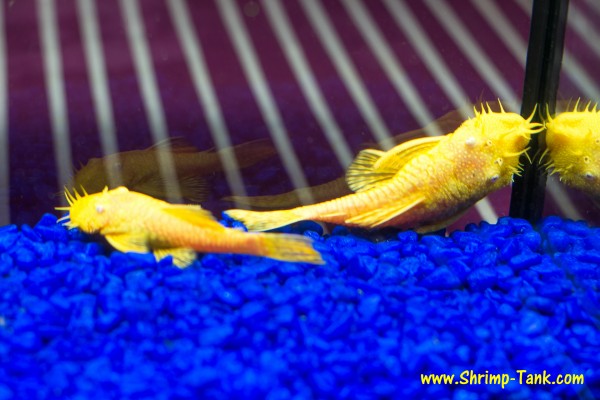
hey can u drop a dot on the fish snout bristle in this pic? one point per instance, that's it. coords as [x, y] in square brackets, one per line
[70, 198]
[526, 152]
[534, 127]
[65, 221]
[501, 107]
[518, 154]
[542, 158]
[530, 118]
[548, 118]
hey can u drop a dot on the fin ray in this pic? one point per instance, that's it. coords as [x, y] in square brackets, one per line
[361, 174]
[265, 220]
[395, 158]
[182, 257]
[194, 188]
[193, 214]
[372, 168]
[128, 242]
[377, 217]
[287, 247]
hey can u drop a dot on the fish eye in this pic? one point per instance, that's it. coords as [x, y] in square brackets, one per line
[489, 143]
[586, 159]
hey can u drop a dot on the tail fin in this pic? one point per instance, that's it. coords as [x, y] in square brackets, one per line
[294, 248]
[265, 220]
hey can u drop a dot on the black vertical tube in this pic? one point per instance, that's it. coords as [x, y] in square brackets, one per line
[544, 58]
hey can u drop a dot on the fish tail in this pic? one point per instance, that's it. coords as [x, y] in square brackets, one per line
[287, 247]
[265, 220]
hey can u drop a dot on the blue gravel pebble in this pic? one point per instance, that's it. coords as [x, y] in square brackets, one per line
[441, 278]
[363, 267]
[525, 259]
[87, 321]
[482, 278]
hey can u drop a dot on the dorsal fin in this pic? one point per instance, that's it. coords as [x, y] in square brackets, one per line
[193, 214]
[362, 175]
[372, 168]
[396, 157]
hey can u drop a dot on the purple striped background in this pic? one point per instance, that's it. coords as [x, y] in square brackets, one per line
[31, 165]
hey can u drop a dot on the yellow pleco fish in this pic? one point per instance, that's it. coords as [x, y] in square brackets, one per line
[424, 184]
[573, 148]
[139, 170]
[338, 187]
[135, 222]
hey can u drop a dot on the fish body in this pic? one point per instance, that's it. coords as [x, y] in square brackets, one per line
[135, 222]
[139, 170]
[573, 149]
[424, 184]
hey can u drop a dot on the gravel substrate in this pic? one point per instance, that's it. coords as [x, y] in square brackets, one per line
[79, 320]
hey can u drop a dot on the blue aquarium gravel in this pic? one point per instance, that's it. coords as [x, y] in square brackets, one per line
[79, 320]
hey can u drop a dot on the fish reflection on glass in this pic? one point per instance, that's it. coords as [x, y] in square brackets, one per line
[139, 170]
[424, 184]
[135, 222]
[573, 149]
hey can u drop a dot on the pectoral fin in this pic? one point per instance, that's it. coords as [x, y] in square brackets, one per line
[377, 217]
[126, 242]
[182, 257]
[194, 189]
